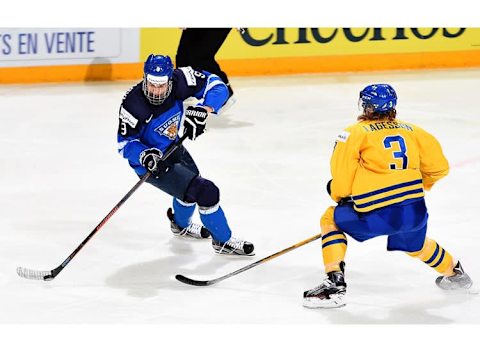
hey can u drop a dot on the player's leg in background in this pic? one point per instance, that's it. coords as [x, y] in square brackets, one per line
[197, 48]
[189, 43]
[212, 40]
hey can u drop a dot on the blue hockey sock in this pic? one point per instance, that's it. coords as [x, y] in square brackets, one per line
[215, 221]
[182, 212]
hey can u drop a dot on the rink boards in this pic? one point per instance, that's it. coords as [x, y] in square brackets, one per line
[89, 54]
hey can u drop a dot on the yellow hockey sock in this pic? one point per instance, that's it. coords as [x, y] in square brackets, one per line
[334, 242]
[435, 256]
[334, 247]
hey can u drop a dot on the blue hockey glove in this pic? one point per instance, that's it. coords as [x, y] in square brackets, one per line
[195, 121]
[151, 160]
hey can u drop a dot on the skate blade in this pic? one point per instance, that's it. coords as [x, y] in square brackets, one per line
[335, 301]
[190, 238]
[234, 255]
[472, 290]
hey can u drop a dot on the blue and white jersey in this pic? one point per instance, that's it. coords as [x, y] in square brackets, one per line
[143, 125]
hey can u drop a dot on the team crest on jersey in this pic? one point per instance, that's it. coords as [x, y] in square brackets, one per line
[169, 128]
[343, 136]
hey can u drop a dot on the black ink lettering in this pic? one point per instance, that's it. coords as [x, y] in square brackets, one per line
[348, 33]
[319, 39]
[377, 34]
[447, 34]
[419, 35]
[254, 42]
[302, 36]
[280, 36]
[400, 34]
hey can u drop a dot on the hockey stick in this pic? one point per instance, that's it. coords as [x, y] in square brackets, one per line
[50, 275]
[193, 282]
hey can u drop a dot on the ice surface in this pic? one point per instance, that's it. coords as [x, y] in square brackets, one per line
[269, 155]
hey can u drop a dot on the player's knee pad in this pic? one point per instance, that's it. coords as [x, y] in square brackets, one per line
[203, 192]
[327, 222]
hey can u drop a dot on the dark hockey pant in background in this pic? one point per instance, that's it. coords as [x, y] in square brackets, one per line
[198, 47]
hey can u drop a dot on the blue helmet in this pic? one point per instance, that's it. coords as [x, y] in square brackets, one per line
[157, 74]
[381, 97]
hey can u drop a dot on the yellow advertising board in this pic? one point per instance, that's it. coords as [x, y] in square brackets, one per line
[263, 51]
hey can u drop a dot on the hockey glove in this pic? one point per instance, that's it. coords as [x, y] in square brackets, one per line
[345, 200]
[329, 187]
[151, 159]
[195, 121]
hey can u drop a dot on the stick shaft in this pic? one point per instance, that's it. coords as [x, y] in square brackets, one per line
[27, 273]
[245, 268]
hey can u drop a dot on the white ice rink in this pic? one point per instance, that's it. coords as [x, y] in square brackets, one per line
[61, 174]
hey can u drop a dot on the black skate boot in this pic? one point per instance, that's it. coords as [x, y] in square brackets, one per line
[234, 246]
[330, 293]
[458, 281]
[196, 231]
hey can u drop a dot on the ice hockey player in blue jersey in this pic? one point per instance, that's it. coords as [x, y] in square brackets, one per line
[150, 118]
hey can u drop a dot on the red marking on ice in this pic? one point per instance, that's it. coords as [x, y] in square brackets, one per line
[466, 162]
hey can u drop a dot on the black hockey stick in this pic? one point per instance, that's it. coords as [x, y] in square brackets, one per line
[50, 275]
[193, 282]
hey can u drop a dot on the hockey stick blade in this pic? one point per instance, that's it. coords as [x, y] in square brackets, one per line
[35, 274]
[193, 282]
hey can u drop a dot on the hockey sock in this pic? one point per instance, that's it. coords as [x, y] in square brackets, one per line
[334, 242]
[435, 256]
[334, 247]
[215, 221]
[182, 212]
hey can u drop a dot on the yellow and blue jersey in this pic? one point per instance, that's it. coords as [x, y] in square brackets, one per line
[382, 162]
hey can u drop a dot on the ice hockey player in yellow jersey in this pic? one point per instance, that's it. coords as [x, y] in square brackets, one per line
[381, 167]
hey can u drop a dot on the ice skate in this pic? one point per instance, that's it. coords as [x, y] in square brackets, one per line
[234, 246]
[329, 294]
[458, 281]
[195, 231]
